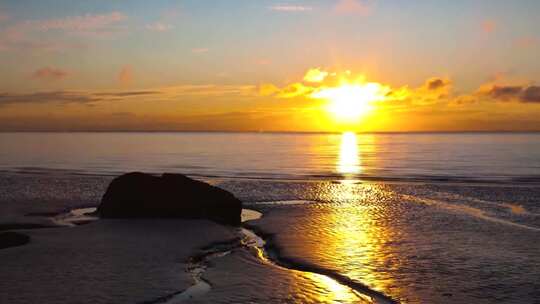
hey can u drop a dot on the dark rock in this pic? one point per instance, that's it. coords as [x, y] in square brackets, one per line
[12, 239]
[140, 195]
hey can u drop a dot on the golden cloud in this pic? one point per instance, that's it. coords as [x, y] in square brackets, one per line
[315, 75]
[318, 83]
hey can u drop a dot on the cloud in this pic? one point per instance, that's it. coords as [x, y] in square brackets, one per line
[50, 74]
[159, 27]
[28, 34]
[126, 75]
[436, 83]
[45, 45]
[317, 82]
[170, 93]
[295, 90]
[71, 97]
[531, 94]
[208, 90]
[488, 26]
[268, 89]
[85, 23]
[290, 8]
[47, 97]
[359, 7]
[315, 75]
[127, 94]
[433, 89]
[199, 50]
[504, 92]
[526, 94]
[166, 21]
[463, 100]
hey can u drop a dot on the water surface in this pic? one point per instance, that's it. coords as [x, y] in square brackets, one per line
[496, 157]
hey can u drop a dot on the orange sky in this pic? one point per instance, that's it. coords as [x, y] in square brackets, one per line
[269, 66]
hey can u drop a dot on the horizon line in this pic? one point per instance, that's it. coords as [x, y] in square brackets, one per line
[271, 132]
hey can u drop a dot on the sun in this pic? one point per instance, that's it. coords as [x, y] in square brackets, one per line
[351, 101]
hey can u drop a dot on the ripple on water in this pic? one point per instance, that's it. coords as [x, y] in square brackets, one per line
[389, 238]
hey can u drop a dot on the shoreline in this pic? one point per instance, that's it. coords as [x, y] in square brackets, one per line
[521, 182]
[274, 251]
[249, 238]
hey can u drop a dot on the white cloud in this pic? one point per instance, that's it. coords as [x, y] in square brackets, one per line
[159, 27]
[360, 7]
[290, 8]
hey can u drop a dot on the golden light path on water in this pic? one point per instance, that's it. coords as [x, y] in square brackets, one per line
[353, 233]
[333, 292]
[349, 160]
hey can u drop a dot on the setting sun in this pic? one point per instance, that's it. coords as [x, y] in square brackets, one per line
[351, 101]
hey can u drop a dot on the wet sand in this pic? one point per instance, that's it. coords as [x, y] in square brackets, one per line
[242, 278]
[108, 261]
[93, 260]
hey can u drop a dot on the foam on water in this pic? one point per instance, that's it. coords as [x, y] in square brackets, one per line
[470, 211]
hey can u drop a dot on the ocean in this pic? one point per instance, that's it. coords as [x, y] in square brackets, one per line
[420, 218]
[452, 157]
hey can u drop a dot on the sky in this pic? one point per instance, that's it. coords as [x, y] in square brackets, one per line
[256, 65]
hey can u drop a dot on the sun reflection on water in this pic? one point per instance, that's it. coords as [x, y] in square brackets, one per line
[349, 160]
[348, 232]
[352, 232]
[333, 292]
[353, 236]
[346, 229]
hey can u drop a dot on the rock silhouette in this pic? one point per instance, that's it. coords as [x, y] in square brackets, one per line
[140, 195]
[12, 239]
